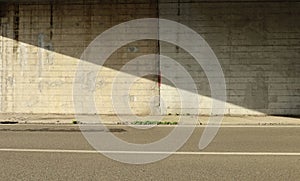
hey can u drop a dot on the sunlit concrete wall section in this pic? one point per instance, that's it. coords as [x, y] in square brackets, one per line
[41, 44]
[257, 44]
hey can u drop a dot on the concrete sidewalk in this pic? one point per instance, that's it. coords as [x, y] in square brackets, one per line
[125, 120]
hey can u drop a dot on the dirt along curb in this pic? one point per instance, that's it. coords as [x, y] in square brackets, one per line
[166, 120]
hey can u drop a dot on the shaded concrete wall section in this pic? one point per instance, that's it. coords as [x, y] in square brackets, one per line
[257, 44]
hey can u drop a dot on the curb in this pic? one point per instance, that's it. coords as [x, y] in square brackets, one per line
[202, 121]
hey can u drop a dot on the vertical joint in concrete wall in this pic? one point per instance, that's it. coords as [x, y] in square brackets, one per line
[158, 58]
[178, 14]
[178, 8]
[16, 22]
[51, 20]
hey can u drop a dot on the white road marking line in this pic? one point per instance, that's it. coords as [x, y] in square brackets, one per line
[154, 152]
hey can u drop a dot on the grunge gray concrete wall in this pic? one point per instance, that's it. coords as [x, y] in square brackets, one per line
[41, 44]
[256, 42]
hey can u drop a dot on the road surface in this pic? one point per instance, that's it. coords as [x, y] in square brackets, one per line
[52, 152]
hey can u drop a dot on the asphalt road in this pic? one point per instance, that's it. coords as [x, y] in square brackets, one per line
[39, 153]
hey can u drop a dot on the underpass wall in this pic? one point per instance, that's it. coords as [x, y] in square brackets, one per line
[257, 44]
[41, 45]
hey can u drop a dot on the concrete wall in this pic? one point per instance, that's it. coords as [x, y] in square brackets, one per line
[41, 45]
[257, 44]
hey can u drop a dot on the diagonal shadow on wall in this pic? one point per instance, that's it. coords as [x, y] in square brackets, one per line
[258, 57]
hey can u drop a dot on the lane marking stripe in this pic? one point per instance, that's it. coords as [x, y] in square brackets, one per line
[154, 152]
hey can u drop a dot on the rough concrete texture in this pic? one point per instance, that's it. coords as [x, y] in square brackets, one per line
[257, 44]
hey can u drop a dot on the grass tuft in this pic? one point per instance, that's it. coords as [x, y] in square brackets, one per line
[154, 123]
[75, 122]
